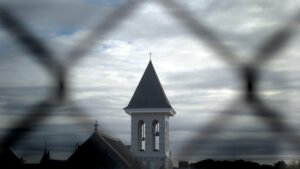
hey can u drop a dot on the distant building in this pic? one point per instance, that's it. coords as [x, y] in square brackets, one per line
[10, 160]
[183, 165]
[47, 163]
[150, 110]
[99, 151]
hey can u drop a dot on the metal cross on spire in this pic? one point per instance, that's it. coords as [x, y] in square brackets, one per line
[150, 54]
[96, 125]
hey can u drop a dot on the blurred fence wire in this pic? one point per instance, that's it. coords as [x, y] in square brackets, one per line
[248, 72]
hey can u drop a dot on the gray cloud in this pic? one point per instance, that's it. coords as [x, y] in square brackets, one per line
[199, 85]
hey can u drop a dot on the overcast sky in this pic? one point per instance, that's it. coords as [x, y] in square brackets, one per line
[198, 83]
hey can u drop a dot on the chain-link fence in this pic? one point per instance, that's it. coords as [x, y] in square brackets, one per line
[59, 71]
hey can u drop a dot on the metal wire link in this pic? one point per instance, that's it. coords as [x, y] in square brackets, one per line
[58, 71]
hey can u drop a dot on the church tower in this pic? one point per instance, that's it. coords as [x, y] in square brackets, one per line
[150, 110]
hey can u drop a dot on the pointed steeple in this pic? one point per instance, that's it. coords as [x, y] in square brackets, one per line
[149, 93]
[46, 156]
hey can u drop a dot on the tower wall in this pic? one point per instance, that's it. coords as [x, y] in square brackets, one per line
[152, 159]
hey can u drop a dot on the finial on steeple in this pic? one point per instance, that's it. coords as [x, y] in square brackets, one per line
[96, 125]
[150, 54]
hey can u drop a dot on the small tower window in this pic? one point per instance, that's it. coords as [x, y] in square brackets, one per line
[155, 135]
[141, 136]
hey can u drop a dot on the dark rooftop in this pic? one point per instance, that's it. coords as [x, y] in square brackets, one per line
[7, 156]
[102, 150]
[149, 93]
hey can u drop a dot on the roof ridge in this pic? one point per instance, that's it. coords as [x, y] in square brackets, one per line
[110, 137]
[117, 152]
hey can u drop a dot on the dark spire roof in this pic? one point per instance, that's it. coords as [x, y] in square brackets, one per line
[149, 93]
[46, 156]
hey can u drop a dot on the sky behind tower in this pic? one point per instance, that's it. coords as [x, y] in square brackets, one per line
[197, 81]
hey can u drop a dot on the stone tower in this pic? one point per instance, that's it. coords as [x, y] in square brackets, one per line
[150, 110]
